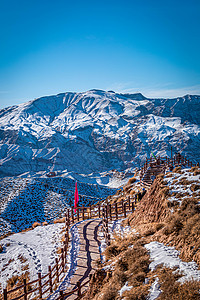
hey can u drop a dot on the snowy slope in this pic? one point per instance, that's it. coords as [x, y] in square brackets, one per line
[34, 251]
[95, 131]
[24, 201]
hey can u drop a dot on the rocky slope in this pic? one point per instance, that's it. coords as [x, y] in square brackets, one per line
[94, 132]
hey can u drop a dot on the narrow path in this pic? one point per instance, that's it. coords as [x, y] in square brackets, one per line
[87, 251]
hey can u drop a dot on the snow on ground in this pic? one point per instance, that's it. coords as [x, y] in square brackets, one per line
[154, 290]
[124, 289]
[169, 257]
[116, 228]
[31, 251]
[72, 255]
[181, 184]
[24, 201]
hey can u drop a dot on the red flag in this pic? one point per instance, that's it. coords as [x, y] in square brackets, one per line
[76, 198]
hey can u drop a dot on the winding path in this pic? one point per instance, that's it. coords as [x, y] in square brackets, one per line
[84, 260]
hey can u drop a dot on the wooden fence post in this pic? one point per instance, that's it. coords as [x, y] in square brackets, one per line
[40, 285]
[66, 221]
[83, 216]
[110, 209]
[90, 212]
[63, 260]
[50, 280]
[79, 288]
[106, 211]
[116, 211]
[129, 203]
[68, 216]
[5, 294]
[25, 289]
[72, 213]
[78, 214]
[61, 295]
[57, 270]
[99, 210]
[133, 207]
[124, 210]
[108, 239]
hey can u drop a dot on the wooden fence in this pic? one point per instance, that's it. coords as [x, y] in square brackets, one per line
[47, 283]
[166, 162]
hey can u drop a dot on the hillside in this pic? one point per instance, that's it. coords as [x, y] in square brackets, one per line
[157, 256]
[24, 201]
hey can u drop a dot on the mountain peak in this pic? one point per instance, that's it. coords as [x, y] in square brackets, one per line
[135, 96]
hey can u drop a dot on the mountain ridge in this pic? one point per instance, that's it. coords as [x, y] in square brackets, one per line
[95, 131]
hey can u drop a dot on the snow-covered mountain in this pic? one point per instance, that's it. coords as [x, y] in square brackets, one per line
[95, 132]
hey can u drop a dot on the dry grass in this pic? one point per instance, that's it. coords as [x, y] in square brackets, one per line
[131, 264]
[22, 258]
[196, 172]
[15, 281]
[131, 181]
[184, 181]
[44, 223]
[177, 170]
[172, 289]
[194, 187]
[62, 220]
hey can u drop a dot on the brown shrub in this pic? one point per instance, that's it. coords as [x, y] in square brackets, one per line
[119, 277]
[149, 232]
[196, 172]
[177, 170]
[1, 249]
[62, 220]
[109, 293]
[165, 191]
[172, 289]
[184, 181]
[122, 264]
[96, 282]
[35, 224]
[159, 226]
[44, 223]
[175, 225]
[111, 251]
[119, 192]
[194, 187]
[137, 293]
[131, 180]
[12, 281]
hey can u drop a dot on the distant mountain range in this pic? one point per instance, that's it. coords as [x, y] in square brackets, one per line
[89, 134]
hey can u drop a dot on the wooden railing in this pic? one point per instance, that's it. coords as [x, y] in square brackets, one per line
[166, 162]
[48, 282]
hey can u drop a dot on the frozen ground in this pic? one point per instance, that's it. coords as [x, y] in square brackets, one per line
[169, 257]
[180, 185]
[31, 251]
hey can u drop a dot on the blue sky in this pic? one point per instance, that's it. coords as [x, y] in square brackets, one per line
[48, 47]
